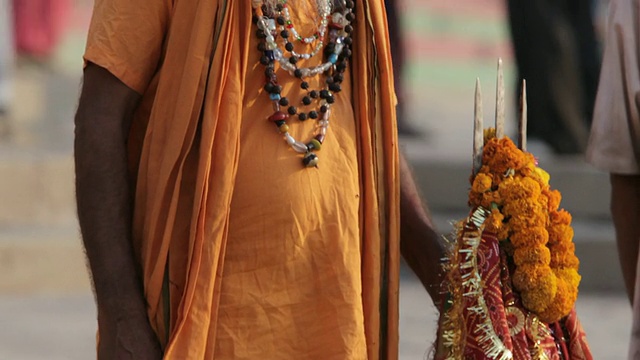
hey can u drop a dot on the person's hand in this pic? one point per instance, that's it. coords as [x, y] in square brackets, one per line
[129, 339]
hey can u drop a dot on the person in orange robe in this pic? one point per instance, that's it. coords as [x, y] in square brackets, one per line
[206, 235]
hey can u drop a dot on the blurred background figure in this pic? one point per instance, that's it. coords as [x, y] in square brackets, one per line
[7, 61]
[556, 52]
[39, 26]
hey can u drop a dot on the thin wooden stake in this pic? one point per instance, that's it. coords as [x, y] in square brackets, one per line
[478, 129]
[522, 121]
[500, 102]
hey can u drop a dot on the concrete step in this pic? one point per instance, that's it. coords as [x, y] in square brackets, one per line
[444, 180]
[46, 259]
[36, 187]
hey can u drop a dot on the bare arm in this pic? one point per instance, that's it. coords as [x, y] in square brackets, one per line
[104, 210]
[420, 244]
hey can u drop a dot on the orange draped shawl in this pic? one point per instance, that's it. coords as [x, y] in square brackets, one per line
[184, 148]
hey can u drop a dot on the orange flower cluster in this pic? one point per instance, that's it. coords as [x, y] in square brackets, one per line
[536, 234]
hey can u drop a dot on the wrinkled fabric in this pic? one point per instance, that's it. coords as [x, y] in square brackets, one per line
[614, 143]
[247, 240]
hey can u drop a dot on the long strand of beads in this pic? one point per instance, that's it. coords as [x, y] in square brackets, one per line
[337, 53]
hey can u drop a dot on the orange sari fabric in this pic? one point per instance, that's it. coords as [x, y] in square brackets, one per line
[191, 147]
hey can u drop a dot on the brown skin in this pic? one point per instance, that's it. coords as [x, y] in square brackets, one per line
[104, 208]
[104, 211]
[420, 244]
[625, 209]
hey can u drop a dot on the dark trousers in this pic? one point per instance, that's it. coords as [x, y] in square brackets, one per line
[556, 52]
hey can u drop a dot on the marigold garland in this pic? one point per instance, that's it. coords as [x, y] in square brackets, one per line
[525, 216]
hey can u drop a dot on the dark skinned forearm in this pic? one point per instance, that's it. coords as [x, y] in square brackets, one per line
[420, 244]
[104, 197]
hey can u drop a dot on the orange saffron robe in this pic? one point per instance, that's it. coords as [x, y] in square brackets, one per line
[245, 253]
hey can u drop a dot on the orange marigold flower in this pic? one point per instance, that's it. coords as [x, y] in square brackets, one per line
[504, 233]
[482, 183]
[560, 233]
[538, 254]
[560, 217]
[561, 305]
[533, 236]
[563, 255]
[522, 222]
[475, 199]
[525, 207]
[529, 166]
[494, 222]
[491, 198]
[553, 199]
[570, 276]
[519, 189]
[502, 155]
[541, 176]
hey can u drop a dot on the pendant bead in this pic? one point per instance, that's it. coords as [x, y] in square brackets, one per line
[310, 160]
[284, 128]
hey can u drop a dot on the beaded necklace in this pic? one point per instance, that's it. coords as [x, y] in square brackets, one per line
[335, 55]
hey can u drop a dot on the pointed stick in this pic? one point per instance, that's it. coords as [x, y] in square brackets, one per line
[500, 102]
[478, 129]
[522, 121]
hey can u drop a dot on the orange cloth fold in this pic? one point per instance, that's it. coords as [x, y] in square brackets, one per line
[190, 60]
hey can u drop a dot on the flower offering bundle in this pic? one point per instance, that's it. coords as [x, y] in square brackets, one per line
[512, 273]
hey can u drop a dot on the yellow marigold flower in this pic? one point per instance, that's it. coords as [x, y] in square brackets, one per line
[533, 236]
[532, 276]
[561, 305]
[560, 233]
[541, 176]
[489, 134]
[538, 254]
[482, 183]
[570, 276]
[540, 298]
